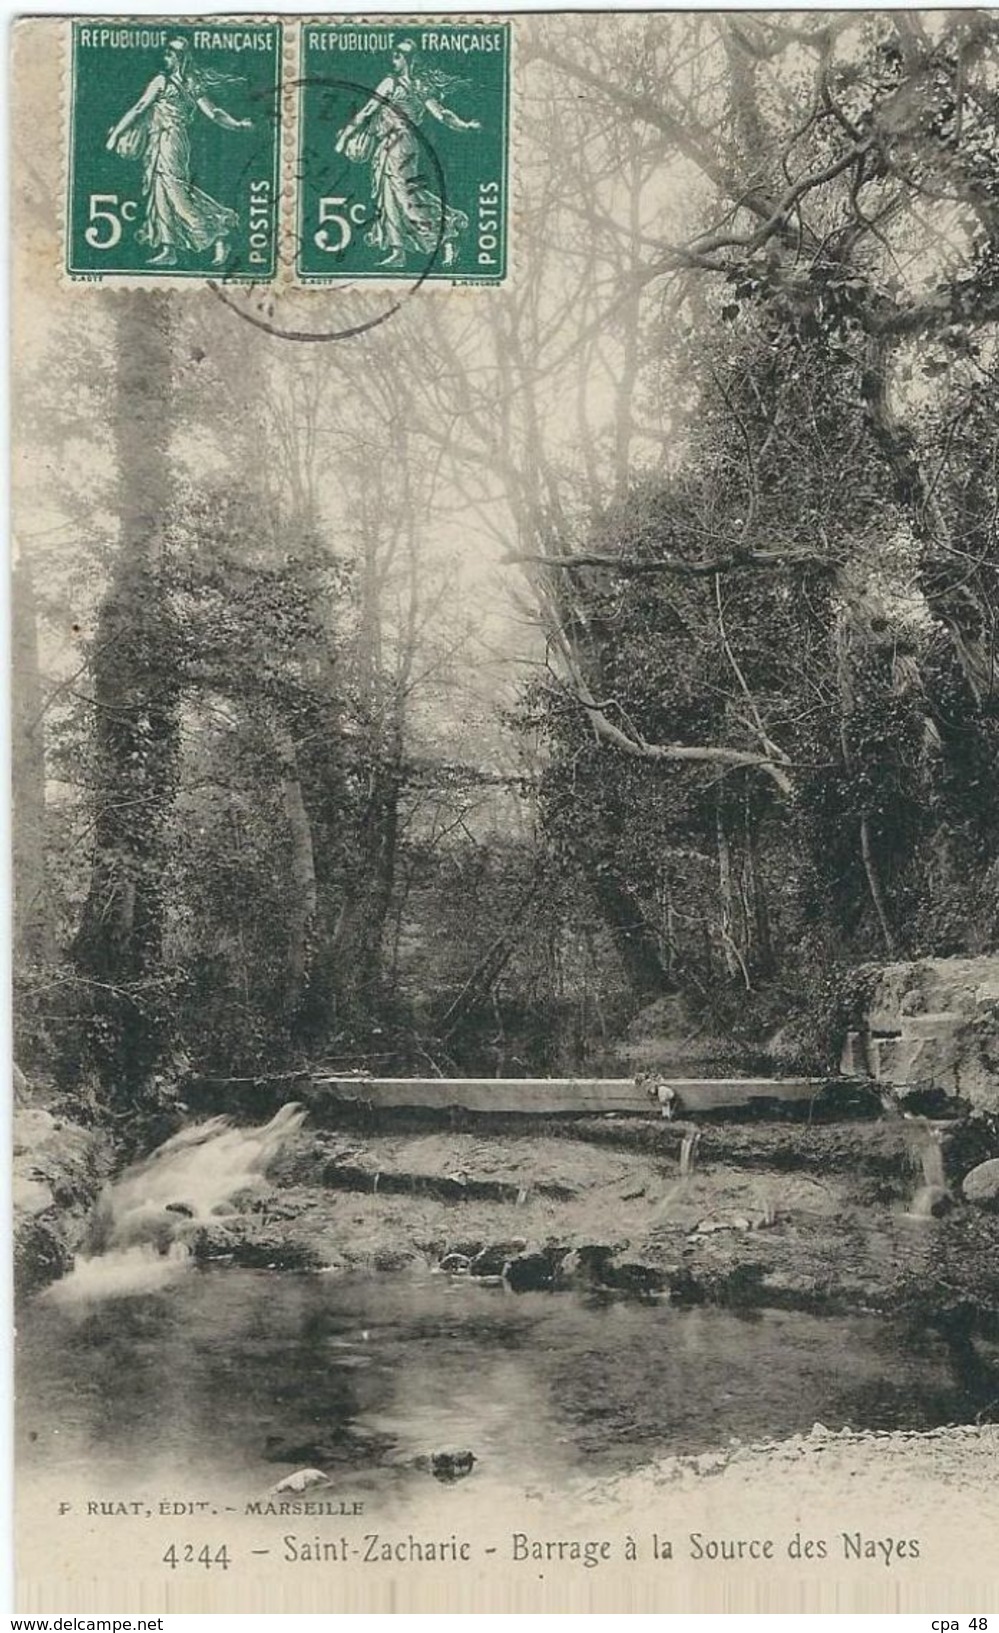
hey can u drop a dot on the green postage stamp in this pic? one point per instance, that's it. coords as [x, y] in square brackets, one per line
[400, 150]
[403, 151]
[174, 149]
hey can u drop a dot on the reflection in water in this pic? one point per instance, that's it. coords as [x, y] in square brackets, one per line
[242, 1376]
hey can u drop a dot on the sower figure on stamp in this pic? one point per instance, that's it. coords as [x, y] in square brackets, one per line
[409, 215]
[179, 215]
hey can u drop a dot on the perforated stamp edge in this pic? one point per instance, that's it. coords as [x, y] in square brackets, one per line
[172, 279]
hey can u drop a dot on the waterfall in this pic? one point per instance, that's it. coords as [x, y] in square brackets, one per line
[688, 1151]
[141, 1227]
[925, 1145]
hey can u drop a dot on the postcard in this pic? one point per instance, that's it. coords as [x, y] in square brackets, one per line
[505, 771]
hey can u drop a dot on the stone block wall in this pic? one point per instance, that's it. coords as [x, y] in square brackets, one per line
[932, 1026]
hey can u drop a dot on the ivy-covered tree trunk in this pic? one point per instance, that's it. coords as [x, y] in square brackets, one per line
[118, 947]
[304, 903]
[358, 952]
[34, 931]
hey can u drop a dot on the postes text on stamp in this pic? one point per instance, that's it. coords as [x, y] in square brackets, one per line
[174, 149]
[403, 151]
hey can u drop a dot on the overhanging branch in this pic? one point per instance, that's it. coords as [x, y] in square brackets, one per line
[629, 567]
[675, 753]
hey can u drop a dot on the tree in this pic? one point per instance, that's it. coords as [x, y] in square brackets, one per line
[118, 946]
[34, 925]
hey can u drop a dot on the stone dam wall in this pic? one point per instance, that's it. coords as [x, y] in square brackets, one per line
[931, 1026]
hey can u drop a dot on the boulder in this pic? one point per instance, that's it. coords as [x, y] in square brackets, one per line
[981, 1186]
[301, 1480]
[494, 1257]
[451, 1464]
[586, 1265]
[58, 1170]
[254, 1247]
[529, 1272]
[632, 1276]
[455, 1264]
[30, 1196]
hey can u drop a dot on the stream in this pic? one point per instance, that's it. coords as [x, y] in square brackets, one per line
[243, 1376]
[144, 1361]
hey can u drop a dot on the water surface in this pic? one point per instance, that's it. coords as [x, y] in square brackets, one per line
[242, 1376]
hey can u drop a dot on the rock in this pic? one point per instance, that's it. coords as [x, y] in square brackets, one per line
[455, 1264]
[451, 1465]
[32, 1128]
[585, 1265]
[494, 1257]
[529, 1272]
[301, 1480]
[393, 1258]
[254, 1248]
[58, 1170]
[972, 1140]
[931, 1102]
[981, 1186]
[931, 1202]
[925, 1063]
[684, 1287]
[707, 1227]
[41, 1255]
[631, 1276]
[30, 1196]
[934, 1025]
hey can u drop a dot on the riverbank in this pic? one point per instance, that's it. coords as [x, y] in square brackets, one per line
[59, 1169]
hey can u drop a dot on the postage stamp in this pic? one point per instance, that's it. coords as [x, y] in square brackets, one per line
[403, 153]
[174, 149]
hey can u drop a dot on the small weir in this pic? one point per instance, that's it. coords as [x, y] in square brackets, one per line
[146, 1353]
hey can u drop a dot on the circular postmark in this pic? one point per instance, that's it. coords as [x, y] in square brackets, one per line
[269, 307]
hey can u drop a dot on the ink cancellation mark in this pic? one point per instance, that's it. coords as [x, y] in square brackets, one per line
[174, 139]
[403, 161]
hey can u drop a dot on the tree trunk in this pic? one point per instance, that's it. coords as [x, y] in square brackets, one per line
[118, 947]
[844, 681]
[636, 944]
[358, 941]
[305, 900]
[34, 929]
[726, 922]
[954, 595]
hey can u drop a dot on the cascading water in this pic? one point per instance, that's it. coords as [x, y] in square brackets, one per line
[140, 1230]
[925, 1145]
[679, 1187]
[688, 1151]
